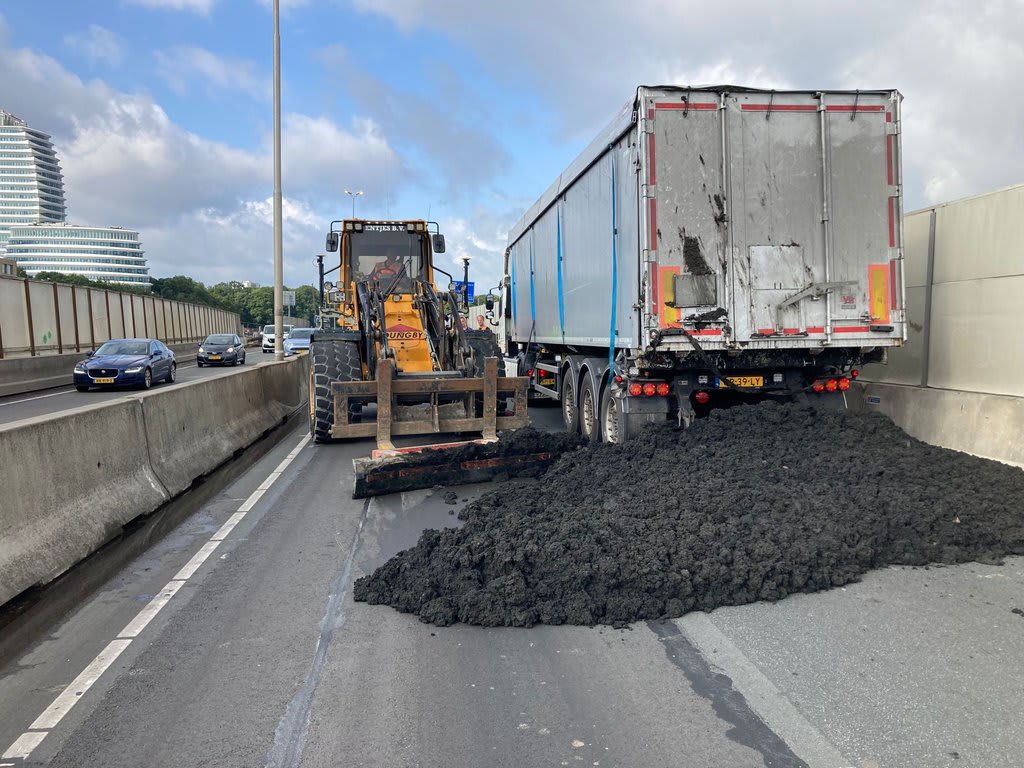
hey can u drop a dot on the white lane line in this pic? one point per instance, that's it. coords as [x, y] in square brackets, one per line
[225, 529]
[32, 738]
[136, 625]
[74, 692]
[23, 747]
[197, 559]
[763, 697]
[37, 397]
[251, 501]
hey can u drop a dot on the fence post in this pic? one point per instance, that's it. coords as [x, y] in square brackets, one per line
[74, 312]
[28, 312]
[56, 315]
[928, 286]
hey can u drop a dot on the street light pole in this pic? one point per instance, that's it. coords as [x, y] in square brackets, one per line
[278, 238]
[353, 195]
[465, 280]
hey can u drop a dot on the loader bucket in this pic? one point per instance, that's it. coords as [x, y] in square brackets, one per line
[433, 465]
[423, 405]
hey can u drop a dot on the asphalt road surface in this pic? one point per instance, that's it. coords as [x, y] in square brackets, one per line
[234, 641]
[50, 401]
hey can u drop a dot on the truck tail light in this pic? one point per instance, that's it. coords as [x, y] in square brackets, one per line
[818, 387]
[831, 385]
[702, 397]
[635, 389]
[663, 389]
[844, 384]
[854, 373]
[650, 388]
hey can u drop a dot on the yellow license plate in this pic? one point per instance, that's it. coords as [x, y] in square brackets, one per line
[743, 381]
[215, 357]
[103, 381]
[547, 382]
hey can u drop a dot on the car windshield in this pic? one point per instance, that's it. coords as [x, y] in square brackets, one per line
[268, 329]
[124, 348]
[301, 333]
[219, 338]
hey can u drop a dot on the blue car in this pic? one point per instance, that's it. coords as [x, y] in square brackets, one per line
[126, 363]
[298, 340]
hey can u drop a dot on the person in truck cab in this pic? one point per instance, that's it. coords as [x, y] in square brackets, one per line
[388, 267]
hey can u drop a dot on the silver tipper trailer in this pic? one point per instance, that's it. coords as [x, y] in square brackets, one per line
[718, 242]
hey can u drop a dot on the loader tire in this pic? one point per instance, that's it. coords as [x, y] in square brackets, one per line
[484, 344]
[329, 361]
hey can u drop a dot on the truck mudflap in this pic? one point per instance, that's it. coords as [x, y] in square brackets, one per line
[428, 404]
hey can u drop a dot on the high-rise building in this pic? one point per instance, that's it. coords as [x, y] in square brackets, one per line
[111, 254]
[31, 184]
[33, 231]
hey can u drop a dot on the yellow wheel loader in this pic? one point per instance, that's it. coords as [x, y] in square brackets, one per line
[392, 355]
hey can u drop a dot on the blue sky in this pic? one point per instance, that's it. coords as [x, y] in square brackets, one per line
[161, 109]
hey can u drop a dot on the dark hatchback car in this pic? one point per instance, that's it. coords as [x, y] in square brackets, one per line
[126, 363]
[221, 349]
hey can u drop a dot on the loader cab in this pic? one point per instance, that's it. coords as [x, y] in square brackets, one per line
[384, 251]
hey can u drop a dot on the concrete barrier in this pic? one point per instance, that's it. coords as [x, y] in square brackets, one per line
[197, 426]
[985, 425]
[71, 481]
[29, 374]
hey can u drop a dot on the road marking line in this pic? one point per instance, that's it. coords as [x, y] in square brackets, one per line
[52, 715]
[251, 501]
[23, 747]
[197, 560]
[229, 526]
[763, 697]
[74, 692]
[136, 625]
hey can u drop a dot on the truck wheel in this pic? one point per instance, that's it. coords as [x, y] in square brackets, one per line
[330, 361]
[589, 414]
[570, 408]
[615, 425]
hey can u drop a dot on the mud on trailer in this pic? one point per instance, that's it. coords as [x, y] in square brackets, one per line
[712, 245]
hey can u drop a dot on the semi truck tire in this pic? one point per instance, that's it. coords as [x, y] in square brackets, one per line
[570, 406]
[329, 361]
[589, 411]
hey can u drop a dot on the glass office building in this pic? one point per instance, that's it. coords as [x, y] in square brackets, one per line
[111, 254]
[33, 231]
[31, 183]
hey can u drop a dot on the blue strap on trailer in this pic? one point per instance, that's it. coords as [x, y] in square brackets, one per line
[561, 303]
[615, 269]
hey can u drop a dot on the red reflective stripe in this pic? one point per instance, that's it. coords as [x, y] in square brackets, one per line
[849, 329]
[892, 225]
[766, 331]
[679, 105]
[888, 159]
[706, 332]
[852, 108]
[790, 331]
[815, 329]
[780, 107]
[892, 284]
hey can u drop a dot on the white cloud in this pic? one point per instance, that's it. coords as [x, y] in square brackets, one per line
[958, 64]
[198, 6]
[200, 205]
[97, 44]
[180, 65]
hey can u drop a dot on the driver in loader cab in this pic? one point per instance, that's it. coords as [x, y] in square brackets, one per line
[389, 267]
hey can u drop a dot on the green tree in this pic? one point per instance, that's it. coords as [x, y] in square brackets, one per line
[307, 302]
[182, 288]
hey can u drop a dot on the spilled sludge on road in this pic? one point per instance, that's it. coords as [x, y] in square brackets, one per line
[752, 503]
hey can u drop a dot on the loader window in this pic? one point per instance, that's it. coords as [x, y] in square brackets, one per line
[381, 255]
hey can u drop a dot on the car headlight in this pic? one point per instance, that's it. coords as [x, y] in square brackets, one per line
[136, 369]
[79, 369]
[202, 351]
[231, 349]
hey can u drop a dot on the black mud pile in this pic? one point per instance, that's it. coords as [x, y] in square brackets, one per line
[753, 503]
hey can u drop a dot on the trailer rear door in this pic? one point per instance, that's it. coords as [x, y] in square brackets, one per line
[775, 217]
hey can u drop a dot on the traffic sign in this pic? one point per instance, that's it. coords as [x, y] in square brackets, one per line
[469, 294]
[288, 298]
